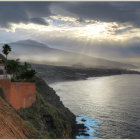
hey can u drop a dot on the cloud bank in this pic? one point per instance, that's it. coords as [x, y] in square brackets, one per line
[102, 29]
[23, 12]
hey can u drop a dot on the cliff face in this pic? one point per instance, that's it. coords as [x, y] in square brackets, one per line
[12, 125]
[48, 115]
[51, 97]
[47, 120]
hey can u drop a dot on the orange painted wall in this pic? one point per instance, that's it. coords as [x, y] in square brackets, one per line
[19, 94]
[6, 86]
[22, 94]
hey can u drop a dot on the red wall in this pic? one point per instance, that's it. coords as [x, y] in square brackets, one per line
[6, 86]
[19, 94]
[22, 94]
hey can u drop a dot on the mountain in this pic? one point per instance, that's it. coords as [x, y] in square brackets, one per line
[36, 52]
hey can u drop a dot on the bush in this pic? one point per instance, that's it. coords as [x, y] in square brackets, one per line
[28, 75]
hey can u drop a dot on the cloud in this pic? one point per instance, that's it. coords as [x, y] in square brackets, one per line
[109, 49]
[23, 12]
[75, 26]
[35, 12]
[120, 31]
[66, 40]
[122, 12]
[39, 21]
[105, 48]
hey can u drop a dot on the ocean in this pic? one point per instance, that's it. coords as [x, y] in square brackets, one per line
[109, 106]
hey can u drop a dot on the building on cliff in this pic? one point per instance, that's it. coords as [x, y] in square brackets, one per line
[18, 94]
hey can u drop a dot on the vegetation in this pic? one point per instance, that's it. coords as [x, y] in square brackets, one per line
[6, 50]
[13, 67]
[26, 72]
[21, 72]
[48, 115]
[46, 119]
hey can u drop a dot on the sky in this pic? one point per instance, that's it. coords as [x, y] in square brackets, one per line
[109, 30]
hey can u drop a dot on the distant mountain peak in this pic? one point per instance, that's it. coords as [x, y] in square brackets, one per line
[29, 42]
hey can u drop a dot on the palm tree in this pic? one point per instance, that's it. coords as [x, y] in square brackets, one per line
[6, 50]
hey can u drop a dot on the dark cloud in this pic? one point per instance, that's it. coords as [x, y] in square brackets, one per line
[120, 31]
[122, 12]
[25, 12]
[39, 21]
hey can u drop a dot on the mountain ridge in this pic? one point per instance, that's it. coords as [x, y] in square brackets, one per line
[38, 52]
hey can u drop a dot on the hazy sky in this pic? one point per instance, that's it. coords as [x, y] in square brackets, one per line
[103, 29]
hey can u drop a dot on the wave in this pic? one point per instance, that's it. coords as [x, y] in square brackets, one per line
[90, 130]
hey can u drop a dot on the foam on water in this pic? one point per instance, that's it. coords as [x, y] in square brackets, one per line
[91, 127]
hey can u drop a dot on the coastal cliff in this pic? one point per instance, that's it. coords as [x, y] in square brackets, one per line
[46, 118]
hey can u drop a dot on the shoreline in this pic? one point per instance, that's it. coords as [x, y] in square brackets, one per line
[86, 78]
[52, 75]
[79, 130]
[84, 101]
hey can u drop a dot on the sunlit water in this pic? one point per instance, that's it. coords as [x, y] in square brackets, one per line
[113, 101]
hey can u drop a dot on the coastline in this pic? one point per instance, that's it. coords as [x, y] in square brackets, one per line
[96, 103]
[64, 74]
[53, 74]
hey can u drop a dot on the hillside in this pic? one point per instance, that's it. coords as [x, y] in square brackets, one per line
[36, 52]
[12, 125]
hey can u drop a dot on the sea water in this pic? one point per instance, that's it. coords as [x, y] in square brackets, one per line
[110, 105]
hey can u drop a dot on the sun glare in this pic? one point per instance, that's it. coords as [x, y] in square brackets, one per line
[94, 30]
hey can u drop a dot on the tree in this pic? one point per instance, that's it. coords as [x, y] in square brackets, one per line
[27, 72]
[6, 50]
[28, 75]
[14, 66]
[26, 66]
